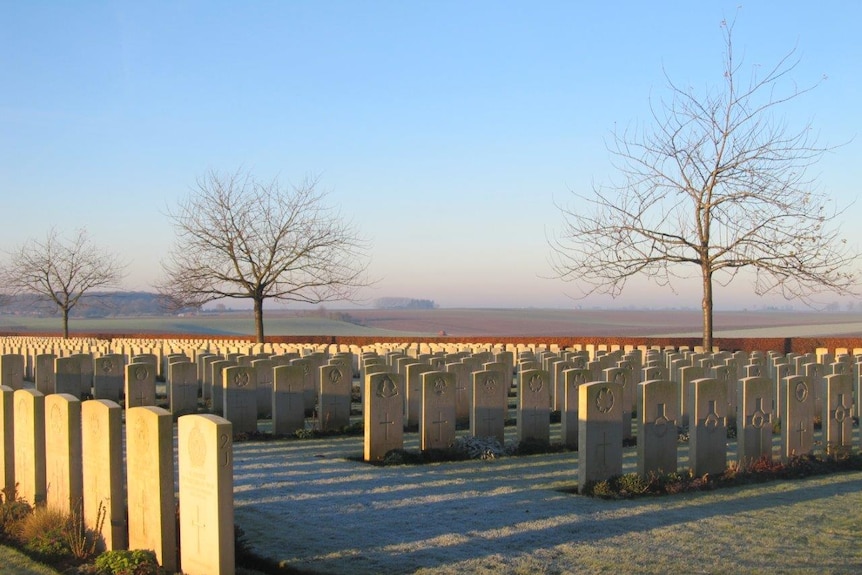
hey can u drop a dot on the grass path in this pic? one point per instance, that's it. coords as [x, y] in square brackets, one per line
[13, 562]
[306, 504]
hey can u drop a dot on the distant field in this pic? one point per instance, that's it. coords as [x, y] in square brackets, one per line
[206, 325]
[468, 322]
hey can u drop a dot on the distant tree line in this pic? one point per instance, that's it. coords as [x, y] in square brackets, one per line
[404, 303]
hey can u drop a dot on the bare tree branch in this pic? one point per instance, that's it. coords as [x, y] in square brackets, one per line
[61, 271]
[241, 238]
[718, 184]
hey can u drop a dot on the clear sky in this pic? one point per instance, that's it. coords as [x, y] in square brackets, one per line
[447, 129]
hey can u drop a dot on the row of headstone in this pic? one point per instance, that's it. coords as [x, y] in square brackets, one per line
[68, 455]
[628, 368]
[600, 427]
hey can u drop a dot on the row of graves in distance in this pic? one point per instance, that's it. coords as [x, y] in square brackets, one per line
[602, 395]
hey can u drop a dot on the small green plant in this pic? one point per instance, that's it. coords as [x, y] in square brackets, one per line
[128, 562]
[43, 535]
[13, 510]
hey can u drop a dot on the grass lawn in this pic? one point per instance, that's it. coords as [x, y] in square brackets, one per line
[13, 562]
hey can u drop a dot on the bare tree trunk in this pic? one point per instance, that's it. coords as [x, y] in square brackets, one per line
[258, 319]
[65, 323]
[707, 310]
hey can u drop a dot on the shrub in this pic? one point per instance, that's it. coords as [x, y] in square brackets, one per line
[13, 510]
[756, 471]
[43, 535]
[479, 447]
[128, 562]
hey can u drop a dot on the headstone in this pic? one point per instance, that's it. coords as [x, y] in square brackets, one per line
[437, 423]
[182, 388]
[150, 483]
[650, 372]
[658, 411]
[569, 421]
[108, 377]
[754, 370]
[67, 375]
[205, 455]
[754, 420]
[707, 443]
[288, 403]
[316, 361]
[263, 368]
[383, 415]
[64, 477]
[140, 387]
[7, 439]
[334, 403]
[507, 358]
[814, 372]
[29, 433]
[150, 359]
[797, 417]
[413, 376]
[463, 389]
[734, 374]
[534, 420]
[857, 387]
[205, 372]
[556, 386]
[687, 374]
[488, 413]
[239, 385]
[623, 376]
[85, 360]
[721, 372]
[217, 368]
[44, 373]
[310, 392]
[837, 414]
[600, 437]
[103, 478]
[12, 370]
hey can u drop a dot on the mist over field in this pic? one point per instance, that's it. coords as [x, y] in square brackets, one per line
[460, 323]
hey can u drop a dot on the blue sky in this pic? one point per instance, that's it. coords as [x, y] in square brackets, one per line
[446, 130]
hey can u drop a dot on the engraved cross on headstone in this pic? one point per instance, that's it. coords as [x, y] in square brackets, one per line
[460, 390]
[198, 525]
[142, 507]
[142, 396]
[602, 447]
[439, 423]
[386, 422]
[801, 429]
[660, 425]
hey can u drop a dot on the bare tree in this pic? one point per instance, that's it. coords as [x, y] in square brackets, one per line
[717, 185]
[60, 271]
[241, 238]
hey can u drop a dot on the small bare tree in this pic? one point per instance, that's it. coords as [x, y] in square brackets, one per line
[241, 238]
[717, 185]
[60, 271]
